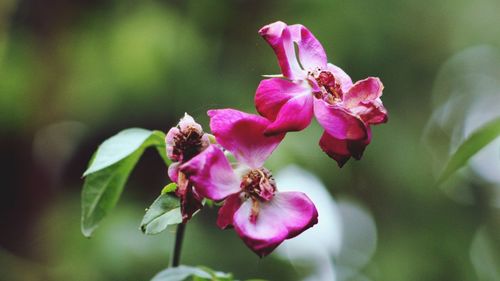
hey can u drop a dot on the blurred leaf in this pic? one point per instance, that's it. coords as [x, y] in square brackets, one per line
[183, 272]
[163, 212]
[484, 254]
[124, 144]
[102, 190]
[171, 187]
[109, 170]
[217, 275]
[479, 139]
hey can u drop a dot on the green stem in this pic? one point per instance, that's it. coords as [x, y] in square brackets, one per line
[179, 236]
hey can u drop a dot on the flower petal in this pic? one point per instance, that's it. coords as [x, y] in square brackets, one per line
[372, 112]
[170, 144]
[226, 212]
[279, 38]
[365, 90]
[342, 150]
[287, 215]
[190, 199]
[211, 174]
[173, 171]
[288, 104]
[311, 53]
[187, 123]
[338, 122]
[191, 202]
[243, 135]
[340, 76]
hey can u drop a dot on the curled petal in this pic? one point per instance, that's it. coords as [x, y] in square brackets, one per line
[285, 216]
[187, 123]
[372, 112]
[279, 38]
[311, 53]
[169, 140]
[211, 174]
[338, 122]
[365, 90]
[288, 104]
[341, 77]
[243, 135]
[173, 171]
[226, 212]
[190, 200]
[342, 150]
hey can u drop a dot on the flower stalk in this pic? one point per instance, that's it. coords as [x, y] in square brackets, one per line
[179, 237]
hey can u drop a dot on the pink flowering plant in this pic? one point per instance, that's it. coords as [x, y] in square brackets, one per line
[309, 85]
[226, 168]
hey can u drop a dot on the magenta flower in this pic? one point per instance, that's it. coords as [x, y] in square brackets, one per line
[184, 142]
[312, 86]
[261, 216]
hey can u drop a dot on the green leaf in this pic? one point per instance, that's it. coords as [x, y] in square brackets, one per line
[102, 190]
[163, 212]
[171, 187]
[479, 139]
[217, 275]
[180, 273]
[123, 144]
[108, 172]
[183, 273]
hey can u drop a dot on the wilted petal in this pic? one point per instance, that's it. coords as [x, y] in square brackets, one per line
[288, 104]
[342, 150]
[226, 212]
[243, 135]
[173, 171]
[311, 53]
[169, 140]
[187, 123]
[338, 122]
[211, 174]
[190, 200]
[372, 112]
[279, 38]
[341, 77]
[365, 90]
[335, 148]
[287, 215]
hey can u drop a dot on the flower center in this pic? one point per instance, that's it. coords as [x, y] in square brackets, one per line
[259, 184]
[189, 143]
[330, 89]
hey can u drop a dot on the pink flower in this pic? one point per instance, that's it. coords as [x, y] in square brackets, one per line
[312, 86]
[185, 141]
[261, 216]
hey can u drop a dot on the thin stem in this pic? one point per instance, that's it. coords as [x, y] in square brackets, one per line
[179, 236]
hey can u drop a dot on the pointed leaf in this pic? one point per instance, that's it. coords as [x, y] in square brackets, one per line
[163, 212]
[102, 190]
[476, 141]
[109, 169]
[123, 144]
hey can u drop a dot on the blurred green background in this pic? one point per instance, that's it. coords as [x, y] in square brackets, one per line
[73, 73]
